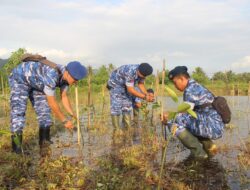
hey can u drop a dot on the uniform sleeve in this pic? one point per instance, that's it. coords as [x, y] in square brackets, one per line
[198, 95]
[50, 82]
[138, 100]
[192, 95]
[129, 80]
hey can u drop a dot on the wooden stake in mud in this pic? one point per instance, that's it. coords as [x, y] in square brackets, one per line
[156, 95]
[248, 92]
[162, 93]
[103, 100]
[233, 94]
[77, 115]
[238, 95]
[89, 95]
[157, 81]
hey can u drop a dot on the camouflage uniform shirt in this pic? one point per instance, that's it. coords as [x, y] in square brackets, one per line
[39, 77]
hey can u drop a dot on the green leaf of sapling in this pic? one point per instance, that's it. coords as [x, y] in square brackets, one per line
[172, 94]
[183, 107]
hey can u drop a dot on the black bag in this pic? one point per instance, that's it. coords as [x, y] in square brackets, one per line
[221, 106]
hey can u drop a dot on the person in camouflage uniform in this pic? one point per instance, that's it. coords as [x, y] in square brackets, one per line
[121, 86]
[137, 103]
[36, 81]
[196, 134]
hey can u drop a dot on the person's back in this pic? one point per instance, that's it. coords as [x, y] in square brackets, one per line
[208, 117]
[36, 74]
[122, 75]
[37, 81]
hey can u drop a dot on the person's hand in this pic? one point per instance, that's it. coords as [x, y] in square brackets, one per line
[69, 125]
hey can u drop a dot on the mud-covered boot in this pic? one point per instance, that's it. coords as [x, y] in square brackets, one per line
[44, 136]
[193, 144]
[126, 119]
[16, 140]
[115, 121]
[209, 146]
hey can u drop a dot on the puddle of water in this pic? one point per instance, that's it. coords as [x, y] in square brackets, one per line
[221, 172]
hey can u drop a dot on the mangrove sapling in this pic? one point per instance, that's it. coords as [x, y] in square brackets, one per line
[182, 108]
[77, 116]
[144, 109]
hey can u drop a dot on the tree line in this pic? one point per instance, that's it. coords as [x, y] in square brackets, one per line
[99, 76]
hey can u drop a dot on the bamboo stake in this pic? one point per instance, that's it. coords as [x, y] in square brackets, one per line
[163, 162]
[248, 94]
[77, 115]
[89, 98]
[238, 95]
[233, 94]
[156, 94]
[157, 80]
[103, 101]
[162, 93]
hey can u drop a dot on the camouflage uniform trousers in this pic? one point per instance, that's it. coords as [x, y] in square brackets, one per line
[19, 95]
[121, 101]
[204, 126]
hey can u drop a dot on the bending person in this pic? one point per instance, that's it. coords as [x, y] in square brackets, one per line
[37, 81]
[121, 86]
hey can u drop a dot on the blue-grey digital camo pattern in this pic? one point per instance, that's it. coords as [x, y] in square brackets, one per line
[30, 80]
[209, 123]
[121, 100]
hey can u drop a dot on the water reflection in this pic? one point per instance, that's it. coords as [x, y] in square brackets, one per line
[221, 172]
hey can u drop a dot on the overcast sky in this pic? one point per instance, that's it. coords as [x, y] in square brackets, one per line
[212, 34]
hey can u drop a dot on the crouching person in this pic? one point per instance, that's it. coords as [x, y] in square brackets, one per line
[37, 80]
[196, 134]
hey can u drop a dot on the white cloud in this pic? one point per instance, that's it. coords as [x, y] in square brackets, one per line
[243, 63]
[197, 33]
[4, 53]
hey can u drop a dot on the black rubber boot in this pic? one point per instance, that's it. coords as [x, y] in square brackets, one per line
[17, 139]
[44, 136]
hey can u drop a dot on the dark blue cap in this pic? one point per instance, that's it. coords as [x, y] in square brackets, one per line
[177, 71]
[145, 69]
[150, 90]
[76, 70]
